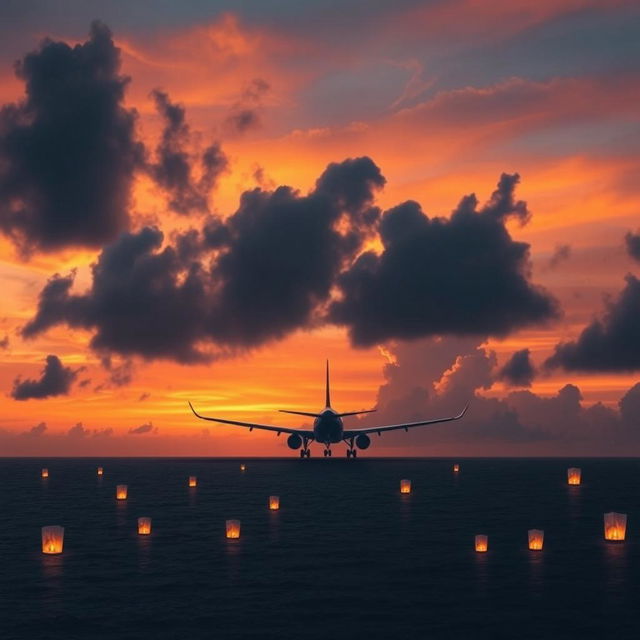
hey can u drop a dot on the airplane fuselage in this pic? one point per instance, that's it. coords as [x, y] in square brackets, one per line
[328, 427]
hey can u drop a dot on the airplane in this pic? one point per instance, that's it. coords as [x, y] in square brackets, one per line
[328, 428]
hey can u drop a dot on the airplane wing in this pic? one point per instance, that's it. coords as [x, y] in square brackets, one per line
[350, 433]
[252, 425]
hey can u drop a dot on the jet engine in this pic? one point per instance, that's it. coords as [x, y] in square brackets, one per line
[294, 441]
[363, 441]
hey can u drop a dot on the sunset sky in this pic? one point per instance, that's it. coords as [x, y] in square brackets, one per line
[205, 200]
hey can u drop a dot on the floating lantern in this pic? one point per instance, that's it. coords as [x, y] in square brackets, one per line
[615, 526]
[274, 503]
[44, 473]
[52, 539]
[193, 481]
[482, 543]
[536, 539]
[100, 472]
[121, 492]
[243, 467]
[233, 529]
[144, 526]
[574, 475]
[405, 486]
[456, 468]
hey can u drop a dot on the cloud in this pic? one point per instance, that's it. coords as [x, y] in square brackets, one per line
[173, 169]
[436, 377]
[143, 429]
[55, 380]
[68, 150]
[245, 113]
[463, 275]
[518, 371]
[35, 432]
[632, 241]
[78, 431]
[561, 253]
[276, 260]
[4, 343]
[609, 343]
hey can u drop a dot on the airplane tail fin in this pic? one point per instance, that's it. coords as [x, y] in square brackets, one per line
[328, 398]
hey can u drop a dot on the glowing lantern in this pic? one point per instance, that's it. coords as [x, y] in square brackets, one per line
[144, 526]
[574, 475]
[243, 467]
[100, 472]
[193, 481]
[44, 473]
[405, 486]
[274, 503]
[615, 526]
[121, 492]
[52, 539]
[233, 529]
[536, 539]
[456, 468]
[482, 543]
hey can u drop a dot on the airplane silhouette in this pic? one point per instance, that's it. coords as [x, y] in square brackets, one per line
[328, 428]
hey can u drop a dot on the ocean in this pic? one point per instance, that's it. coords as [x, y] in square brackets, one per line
[346, 556]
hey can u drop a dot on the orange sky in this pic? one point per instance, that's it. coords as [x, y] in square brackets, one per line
[437, 132]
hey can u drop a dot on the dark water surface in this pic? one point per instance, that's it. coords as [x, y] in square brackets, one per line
[346, 556]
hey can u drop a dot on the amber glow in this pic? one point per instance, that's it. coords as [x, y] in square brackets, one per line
[615, 526]
[193, 481]
[574, 475]
[456, 468]
[243, 467]
[536, 539]
[482, 543]
[100, 471]
[45, 473]
[405, 485]
[52, 539]
[274, 503]
[144, 526]
[121, 492]
[233, 529]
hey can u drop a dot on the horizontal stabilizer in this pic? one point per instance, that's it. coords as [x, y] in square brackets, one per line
[301, 413]
[356, 413]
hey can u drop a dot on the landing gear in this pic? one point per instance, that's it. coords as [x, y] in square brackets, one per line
[352, 453]
[305, 453]
[327, 453]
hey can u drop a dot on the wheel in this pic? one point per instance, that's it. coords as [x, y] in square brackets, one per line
[302, 453]
[329, 453]
[308, 453]
[355, 453]
[348, 453]
[326, 453]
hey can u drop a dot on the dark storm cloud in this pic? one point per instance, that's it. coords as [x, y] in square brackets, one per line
[68, 150]
[610, 343]
[245, 113]
[276, 260]
[143, 429]
[518, 371]
[632, 241]
[465, 275]
[284, 252]
[173, 168]
[143, 300]
[55, 380]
